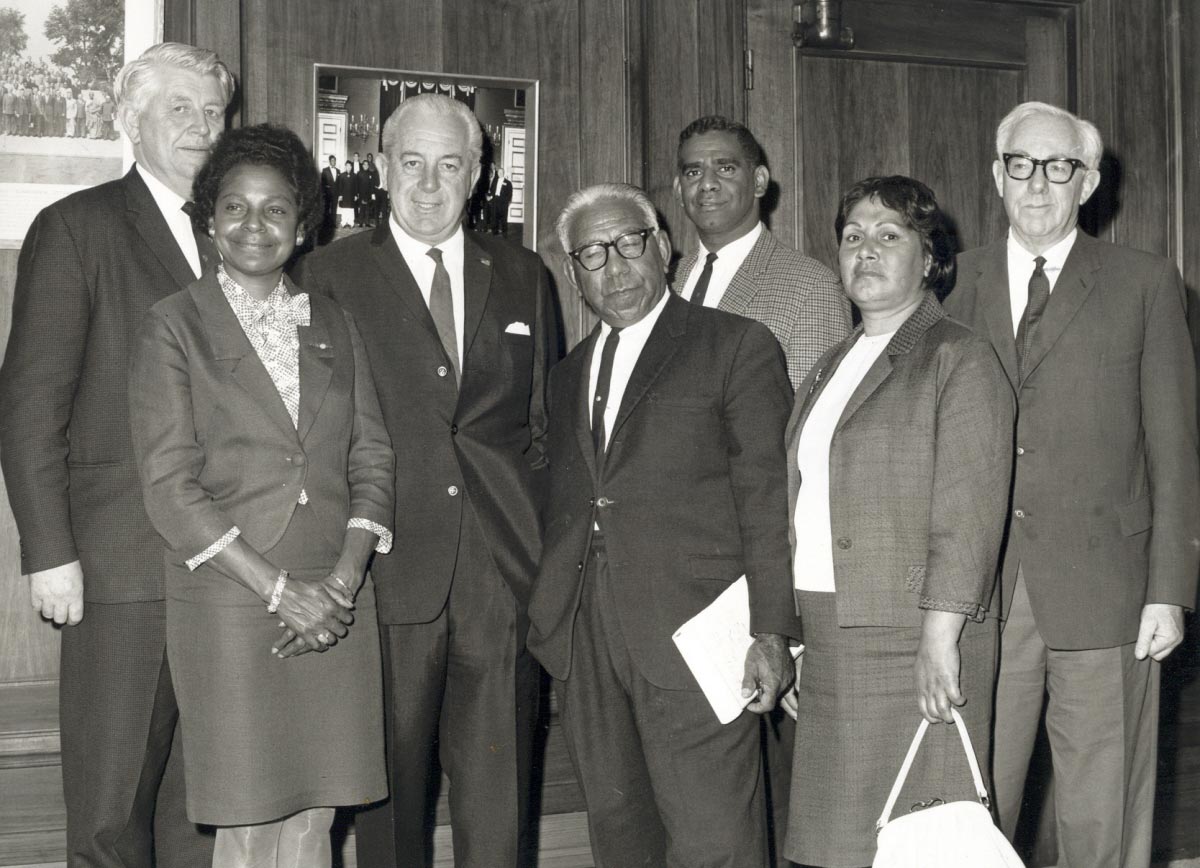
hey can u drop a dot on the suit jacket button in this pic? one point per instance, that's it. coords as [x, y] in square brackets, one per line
[579, 566]
[453, 429]
[442, 370]
[602, 502]
[1020, 450]
[297, 459]
[1019, 513]
[844, 543]
[452, 491]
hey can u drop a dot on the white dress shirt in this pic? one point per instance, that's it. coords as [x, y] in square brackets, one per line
[415, 255]
[729, 260]
[171, 205]
[1021, 266]
[629, 348]
[812, 561]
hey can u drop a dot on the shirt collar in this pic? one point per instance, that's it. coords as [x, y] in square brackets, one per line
[641, 328]
[1056, 256]
[168, 201]
[735, 251]
[232, 288]
[413, 250]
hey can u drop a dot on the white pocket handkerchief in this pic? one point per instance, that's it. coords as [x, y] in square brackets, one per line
[517, 328]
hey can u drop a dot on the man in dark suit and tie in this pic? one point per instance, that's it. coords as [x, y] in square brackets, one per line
[667, 483]
[329, 176]
[500, 194]
[460, 332]
[91, 266]
[722, 175]
[1102, 554]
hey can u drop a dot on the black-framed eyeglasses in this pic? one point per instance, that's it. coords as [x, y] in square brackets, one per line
[631, 245]
[1058, 170]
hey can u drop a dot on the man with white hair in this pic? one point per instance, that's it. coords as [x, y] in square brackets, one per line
[1102, 551]
[460, 331]
[91, 265]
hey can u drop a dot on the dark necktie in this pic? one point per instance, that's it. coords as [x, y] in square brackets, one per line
[603, 381]
[204, 245]
[1039, 294]
[701, 289]
[441, 308]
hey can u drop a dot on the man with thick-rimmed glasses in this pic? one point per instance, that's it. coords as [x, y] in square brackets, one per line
[665, 446]
[1102, 551]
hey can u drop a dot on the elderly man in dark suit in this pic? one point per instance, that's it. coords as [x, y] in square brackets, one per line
[722, 175]
[1102, 555]
[91, 266]
[460, 331]
[667, 483]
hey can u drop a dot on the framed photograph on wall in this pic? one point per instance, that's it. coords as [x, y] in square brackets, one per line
[351, 105]
[58, 126]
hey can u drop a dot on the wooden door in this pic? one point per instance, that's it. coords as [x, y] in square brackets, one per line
[919, 94]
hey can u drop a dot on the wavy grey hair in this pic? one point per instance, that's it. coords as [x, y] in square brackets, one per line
[436, 104]
[1089, 136]
[588, 196]
[135, 81]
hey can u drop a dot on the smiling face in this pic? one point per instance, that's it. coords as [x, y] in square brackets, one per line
[718, 187]
[1041, 213]
[176, 126]
[429, 175]
[883, 264]
[254, 226]
[623, 291]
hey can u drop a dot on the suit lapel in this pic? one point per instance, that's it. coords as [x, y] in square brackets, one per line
[682, 271]
[317, 355]
[660, 346]
[152, 226]
[745, 282]
[583, 404]
[994, 300]
[1071, 290]
[477, 285]
[393, 272]
[231, 347]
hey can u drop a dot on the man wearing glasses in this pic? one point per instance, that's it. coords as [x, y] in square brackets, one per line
[1102, 551]
[665, 446]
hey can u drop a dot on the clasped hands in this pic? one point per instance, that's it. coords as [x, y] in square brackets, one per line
[315, 613]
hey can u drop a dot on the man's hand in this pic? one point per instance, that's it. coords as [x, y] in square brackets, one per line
[769, 671]
[1160, 631]
[58, 593]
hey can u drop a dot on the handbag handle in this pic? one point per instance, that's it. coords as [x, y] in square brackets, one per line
[965, 737]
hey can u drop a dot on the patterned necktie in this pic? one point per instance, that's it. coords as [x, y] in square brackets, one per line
[701, 289]
[1039, 294]
[603, 381]
[441, 308]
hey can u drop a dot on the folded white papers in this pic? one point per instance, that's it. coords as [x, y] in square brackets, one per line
[714, 644]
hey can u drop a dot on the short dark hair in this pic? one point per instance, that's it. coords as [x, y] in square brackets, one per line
[916, 203]
[261, 145]
[751, 149]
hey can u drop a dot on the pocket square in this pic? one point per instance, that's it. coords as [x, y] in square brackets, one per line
[517, 328]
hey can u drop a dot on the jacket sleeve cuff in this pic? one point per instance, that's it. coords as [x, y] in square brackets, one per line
[973, 611]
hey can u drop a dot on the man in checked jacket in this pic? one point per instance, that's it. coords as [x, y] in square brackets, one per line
[740, 266]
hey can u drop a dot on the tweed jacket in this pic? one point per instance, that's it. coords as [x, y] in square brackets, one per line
[91, 266]
[1106, 489]
[482, 441]
[690, 495]
[795, 296]
[918, 473]
[215, 443]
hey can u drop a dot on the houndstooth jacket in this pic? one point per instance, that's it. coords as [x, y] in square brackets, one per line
[793, 295]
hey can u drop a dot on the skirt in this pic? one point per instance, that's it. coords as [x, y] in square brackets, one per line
[856, 718]
[264, 738]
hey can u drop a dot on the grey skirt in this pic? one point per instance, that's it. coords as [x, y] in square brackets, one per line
[857, 716]
[264, 738]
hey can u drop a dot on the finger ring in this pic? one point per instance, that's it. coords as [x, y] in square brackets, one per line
[323, 637]
[338, 579]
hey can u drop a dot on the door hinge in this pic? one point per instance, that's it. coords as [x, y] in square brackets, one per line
[749, 68]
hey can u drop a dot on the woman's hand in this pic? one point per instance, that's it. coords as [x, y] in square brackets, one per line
[937, 668]
[342, 587]
[313, 616]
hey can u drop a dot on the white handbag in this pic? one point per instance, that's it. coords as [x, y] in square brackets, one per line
[951, 835]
